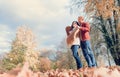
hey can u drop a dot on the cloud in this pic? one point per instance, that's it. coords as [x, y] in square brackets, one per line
[32, 9]
[5, 38]
[47, 19]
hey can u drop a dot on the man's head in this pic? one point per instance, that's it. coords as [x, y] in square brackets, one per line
[80, 19]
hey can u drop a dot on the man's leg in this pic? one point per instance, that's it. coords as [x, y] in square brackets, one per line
[84, 47]
[91, 55]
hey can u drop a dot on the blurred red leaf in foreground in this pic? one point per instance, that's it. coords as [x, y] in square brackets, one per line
[85, 72]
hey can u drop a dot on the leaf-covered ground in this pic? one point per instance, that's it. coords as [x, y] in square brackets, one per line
[84, 72]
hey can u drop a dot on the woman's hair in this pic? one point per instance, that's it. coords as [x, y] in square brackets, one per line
[73, 24]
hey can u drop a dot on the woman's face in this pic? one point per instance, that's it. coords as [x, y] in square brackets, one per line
[74, 24]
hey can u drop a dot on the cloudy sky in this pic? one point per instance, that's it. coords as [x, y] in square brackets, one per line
[46, 18]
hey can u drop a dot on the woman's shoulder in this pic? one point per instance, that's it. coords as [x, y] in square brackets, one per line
[67, 28]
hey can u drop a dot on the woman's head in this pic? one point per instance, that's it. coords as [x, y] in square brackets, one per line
[74, 23]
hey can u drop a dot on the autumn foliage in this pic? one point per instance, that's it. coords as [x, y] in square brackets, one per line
[84, 72]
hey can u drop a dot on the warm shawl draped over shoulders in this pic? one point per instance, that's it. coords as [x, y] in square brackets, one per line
[71, 36]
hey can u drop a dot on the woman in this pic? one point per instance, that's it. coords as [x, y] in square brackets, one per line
[73, 41]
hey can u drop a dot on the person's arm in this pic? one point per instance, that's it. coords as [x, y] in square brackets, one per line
[86, 27]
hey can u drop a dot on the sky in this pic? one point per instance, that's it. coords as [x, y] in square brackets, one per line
[46, 18]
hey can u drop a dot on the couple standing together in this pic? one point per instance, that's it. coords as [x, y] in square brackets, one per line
[78, 36]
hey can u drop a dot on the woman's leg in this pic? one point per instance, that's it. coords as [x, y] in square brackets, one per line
[74, 49]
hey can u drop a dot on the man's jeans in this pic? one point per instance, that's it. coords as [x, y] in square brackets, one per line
[74, 49]
[88, 53]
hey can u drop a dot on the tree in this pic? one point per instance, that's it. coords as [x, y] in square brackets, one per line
[27, 38]
[45, 64]
[105, 16]
[15, 56]
[22, 49]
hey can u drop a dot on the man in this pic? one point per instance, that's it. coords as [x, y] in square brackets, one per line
[85, 42]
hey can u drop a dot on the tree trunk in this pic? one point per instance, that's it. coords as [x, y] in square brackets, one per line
[111, 41]
[117, 61]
